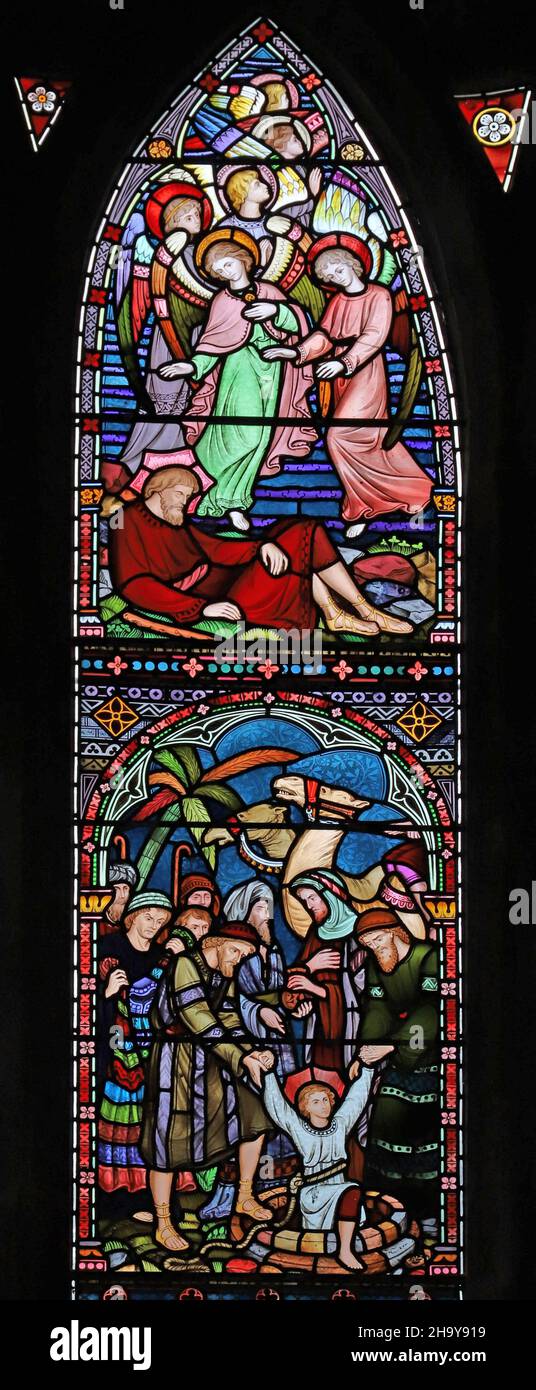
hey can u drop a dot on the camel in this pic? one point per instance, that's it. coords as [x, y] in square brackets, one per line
[268, 842]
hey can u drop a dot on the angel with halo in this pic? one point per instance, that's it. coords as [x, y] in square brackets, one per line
[378, 473]
[167, 281]
[236, 381]
[175, 213]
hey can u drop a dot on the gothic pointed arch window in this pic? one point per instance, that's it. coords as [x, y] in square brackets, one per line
[267, 934]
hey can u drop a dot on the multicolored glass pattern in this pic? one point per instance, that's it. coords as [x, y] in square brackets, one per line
[267, 594]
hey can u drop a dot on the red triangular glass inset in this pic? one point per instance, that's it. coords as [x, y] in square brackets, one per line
[498, 121]
[42, 99]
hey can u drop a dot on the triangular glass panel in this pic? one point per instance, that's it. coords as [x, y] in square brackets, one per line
[42, 99]
[499, 121]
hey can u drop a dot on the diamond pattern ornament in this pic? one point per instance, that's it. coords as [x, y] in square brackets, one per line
[41, 99]
[115, 716]
[499, 122]
[419, 721]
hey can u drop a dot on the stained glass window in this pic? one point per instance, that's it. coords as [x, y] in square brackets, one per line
[267, 934]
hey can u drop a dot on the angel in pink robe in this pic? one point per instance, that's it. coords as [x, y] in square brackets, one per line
[352, 333]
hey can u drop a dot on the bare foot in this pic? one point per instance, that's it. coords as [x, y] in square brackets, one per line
[240, 522]
[348, 1260]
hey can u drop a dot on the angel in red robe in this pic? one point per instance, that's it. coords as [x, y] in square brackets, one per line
[164, 566]
[351, 335]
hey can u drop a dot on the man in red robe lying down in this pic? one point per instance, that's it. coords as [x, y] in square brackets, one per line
[161, 563]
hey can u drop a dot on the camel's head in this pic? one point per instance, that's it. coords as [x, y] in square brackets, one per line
[254, 818]
[264, 813]
[289, 788]
[292, 788]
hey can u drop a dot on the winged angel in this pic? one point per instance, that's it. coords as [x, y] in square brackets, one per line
[146, 284]
[242, 312]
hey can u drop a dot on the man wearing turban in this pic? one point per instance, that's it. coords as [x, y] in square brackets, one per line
[122, 879]
[199, 890]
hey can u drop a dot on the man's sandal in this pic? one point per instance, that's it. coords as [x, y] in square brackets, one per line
[247, 1205]
[160, 1235]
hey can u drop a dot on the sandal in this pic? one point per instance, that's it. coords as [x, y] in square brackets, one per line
[339, 621]
[247, 1204]
[384, 622]
[165, 1225]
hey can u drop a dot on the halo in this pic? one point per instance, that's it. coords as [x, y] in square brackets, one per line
[262, 126]
[297, 1080]
[232, 234]
[159, 200]
[346, 242]
[223, 176]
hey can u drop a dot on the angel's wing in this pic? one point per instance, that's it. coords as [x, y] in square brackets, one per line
[309, 296]
[204, 178]
[180, 299]
[388, 267]
[132, 296]
[408, 395]
[341, 208]
[292, 188]
[287, 268]
[247, 102]
[185, 315]
[221, 134]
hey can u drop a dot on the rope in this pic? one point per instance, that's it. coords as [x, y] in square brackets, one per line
[299, 1180]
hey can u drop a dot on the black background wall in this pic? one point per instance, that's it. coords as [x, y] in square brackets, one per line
[398, 68]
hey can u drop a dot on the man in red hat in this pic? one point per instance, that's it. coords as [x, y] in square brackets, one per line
[199, 890]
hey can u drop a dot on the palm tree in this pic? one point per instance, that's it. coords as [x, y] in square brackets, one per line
[184, 793]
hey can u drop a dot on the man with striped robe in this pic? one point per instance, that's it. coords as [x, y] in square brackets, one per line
[199, 1106]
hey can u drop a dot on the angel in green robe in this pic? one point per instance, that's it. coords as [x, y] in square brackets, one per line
[233, 419]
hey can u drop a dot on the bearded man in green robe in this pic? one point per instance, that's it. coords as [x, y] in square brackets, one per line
[399, 1026]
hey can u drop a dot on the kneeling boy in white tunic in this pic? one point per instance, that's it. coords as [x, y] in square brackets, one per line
[319, 1131]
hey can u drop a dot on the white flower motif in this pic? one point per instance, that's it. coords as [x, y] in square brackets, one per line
[41, 100]
[494, 127]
